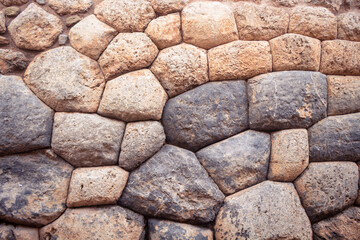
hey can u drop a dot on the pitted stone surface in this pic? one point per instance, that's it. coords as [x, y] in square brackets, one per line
[63, 7]
[164, 7]
[349, 26]
[13, 2]
[12, 60]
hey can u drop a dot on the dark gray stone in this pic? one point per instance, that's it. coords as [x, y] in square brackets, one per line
[291, 99]
[173, 185]
[206, 114]
[11, 60]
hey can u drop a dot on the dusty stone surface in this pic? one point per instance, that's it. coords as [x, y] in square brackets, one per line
[135, 96]
[12, 60]
[173, 185]
[33, 187]
[66, 80]
[141, 141]
[164, 31]
[2, 22]
[35, 29]
[239, 60]
[13, 2]
[181, 68]
[91, 36]
[107, 223]
[71, 20]
[323, 192]
[237, 162]
[125, 15]
[4, 40]
[290, 99]
[349, 26]
[12, 11]
[289, 154]
[25, 121]
[164, 7]
[87, 140]
[336, 138]
[127, 52]
[269, 210]
[206, 114]
[64, 7]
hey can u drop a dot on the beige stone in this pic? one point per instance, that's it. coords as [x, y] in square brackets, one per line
[2, 22]
[285, 3]
[91, 36]
[4, 40]
[333, 5]
[63, 7]
[208, 24]
[71, 20]
[134, 96]
[164, 7]
[349, 26]
[239, 60]
[13, 2]
[26, 233]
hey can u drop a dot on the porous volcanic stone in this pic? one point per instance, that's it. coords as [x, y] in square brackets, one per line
[63, 7]
[164, 7]
[91, 36]
[327, 188]
[349, 26]
[127, 52]
[12, 60]
[336, 138]
[181, 68]
[87, 140]
[206, 114]
[208, 24]
[173, 185]
[125, 15]
[141, 141]
[2, 22]
[66, 80]
[291, 99]
[35, 29]
[106, 223]
[33, 187]
[25, 121]
[269, 210]
[13, 2]
[135, 96]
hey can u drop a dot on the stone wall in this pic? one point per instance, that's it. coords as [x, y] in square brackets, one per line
[179, 119]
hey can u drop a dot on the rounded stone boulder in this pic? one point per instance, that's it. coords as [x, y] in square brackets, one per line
[349, 26]
[63, 7]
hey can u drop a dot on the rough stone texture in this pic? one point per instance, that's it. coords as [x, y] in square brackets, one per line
[127, 52]
[91, 36]
[12, 60]
[125, 15]
[35, 29]
[165, 31]
[239, 60]
[291, 99]
[333, 5]
[357, 202]
[4, 41]
[96, 186]
[6, 232]
[106, 223]
[25, 121]
[13, 2]
[336, 138]
[87, 140]
[71, 20]
[2, 22]
[289, 154]
[159, 230]
[63, 38]
[349, 26]
[181, 68]
[285, 3]
[173, 185]
[141, 141]
[66, 80]
[164, 7]
[269, 210]
[323, 192]
[206, 114]
[135, 96]
[208, 24]
[63, 7]
[12, 11]
[340, 57]
[10, 232]
[33, 187]
[237, 162]
[260, 22]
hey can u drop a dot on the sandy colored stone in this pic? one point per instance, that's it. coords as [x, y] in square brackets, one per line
[35, 29]
[12, 60]
[269, 210]
[12, 11]
[71, 20]
[333, 5]
[349, 26]
[63, 7]
[4, 41]
[140, 142]
[66, 80]
[13, 2]
[127, 52]
[164, 31]
[87, 140]
[2, 22]
[164, 7]
[91, 36]
[26, 233]
[208, 24]
[285, 3]
[181, 68]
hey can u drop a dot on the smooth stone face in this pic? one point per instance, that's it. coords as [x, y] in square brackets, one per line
[26, 122]
[291, 99]
[269, 210]
[181, 68]
[33, 187]
[173, 185]
[206, 114]
[349, 26]
[35, 29]
[13, 2]
[63, 7]
[237, 162]
[12, 60]
[141, 141]
[106, 223]
[164, 7]
[327, 188]
[12, 11]
[2, 22]
[336, 138]
[66, 80]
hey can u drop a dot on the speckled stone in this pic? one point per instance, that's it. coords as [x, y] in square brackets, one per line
[64, 7]
[164, 7]
[12, 60]
[2, 22]
[349, 26]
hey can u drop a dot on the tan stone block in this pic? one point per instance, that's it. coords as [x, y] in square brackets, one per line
[349, 26]
[63, 7]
